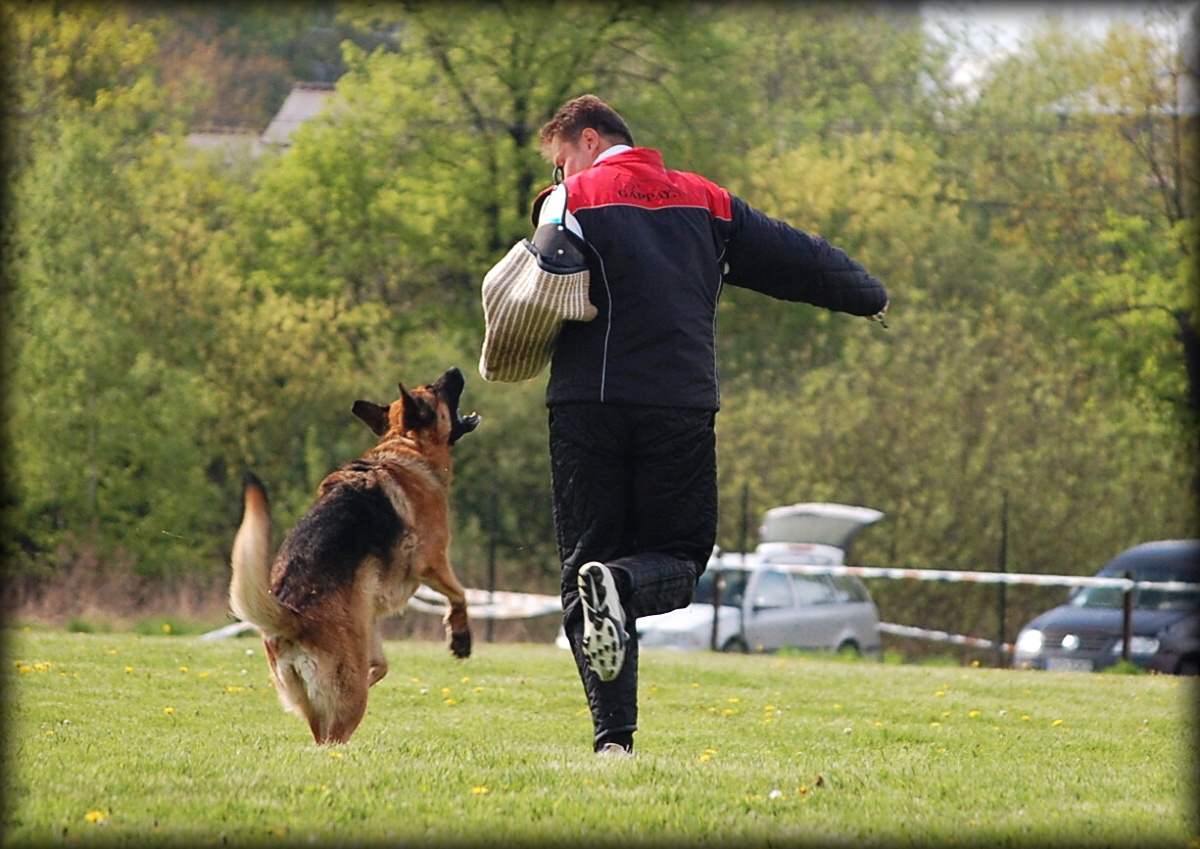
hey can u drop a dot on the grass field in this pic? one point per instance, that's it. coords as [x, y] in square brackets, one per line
[128, 739]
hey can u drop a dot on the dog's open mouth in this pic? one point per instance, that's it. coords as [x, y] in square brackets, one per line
[450, 386]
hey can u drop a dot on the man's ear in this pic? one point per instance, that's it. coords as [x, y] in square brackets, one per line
[375, 415]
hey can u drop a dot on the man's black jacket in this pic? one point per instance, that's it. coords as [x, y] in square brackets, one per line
[663, 244]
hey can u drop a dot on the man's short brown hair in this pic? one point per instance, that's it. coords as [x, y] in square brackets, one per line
[576, 115]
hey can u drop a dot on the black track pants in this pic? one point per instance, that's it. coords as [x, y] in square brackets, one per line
[634, 488]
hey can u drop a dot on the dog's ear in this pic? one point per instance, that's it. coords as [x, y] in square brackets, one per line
[375, 415]
[417, 414]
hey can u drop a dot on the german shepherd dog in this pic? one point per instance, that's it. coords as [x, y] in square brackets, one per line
[378, 528]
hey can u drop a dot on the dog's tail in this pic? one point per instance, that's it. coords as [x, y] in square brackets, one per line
[250, 595]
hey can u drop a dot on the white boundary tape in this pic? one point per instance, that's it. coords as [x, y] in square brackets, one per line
[940, 636]
[952, 576]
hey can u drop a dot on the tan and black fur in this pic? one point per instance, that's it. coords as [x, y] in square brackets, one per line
[378, 528]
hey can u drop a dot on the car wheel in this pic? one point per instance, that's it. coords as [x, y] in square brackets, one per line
[735, 644]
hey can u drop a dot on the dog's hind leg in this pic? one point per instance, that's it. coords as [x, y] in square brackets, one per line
[378, 665]
[458, 626]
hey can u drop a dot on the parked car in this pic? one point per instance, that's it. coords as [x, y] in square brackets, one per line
[764, 606]
[1086, 633]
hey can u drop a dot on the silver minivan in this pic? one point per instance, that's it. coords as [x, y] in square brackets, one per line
[764, 605]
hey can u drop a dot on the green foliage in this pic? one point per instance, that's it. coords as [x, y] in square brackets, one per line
[127, 740]
[932, 422]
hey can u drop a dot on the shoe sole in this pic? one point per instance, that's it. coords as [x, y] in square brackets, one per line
[604, 634]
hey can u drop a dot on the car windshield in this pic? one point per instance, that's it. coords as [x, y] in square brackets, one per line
[1144, 599]
[733, 587]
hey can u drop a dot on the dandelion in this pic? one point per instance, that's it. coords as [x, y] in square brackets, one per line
[95, 817]
[734, 700]
[203, 675]
[1056, 723]
[728, 712]
[480, 790]
[935, 725]
[1025, 718]
[128, 669]
[973, 713]
[940, 693]
[445, 692]
[769, 707]
[25, 670]
[451, 702]
[168, 710]
[183, 669]
[166, 629]
[465, 679]
[335, 755]
[234, 689]
[479, 689]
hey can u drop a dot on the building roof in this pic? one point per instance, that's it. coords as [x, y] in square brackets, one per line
[305, 101]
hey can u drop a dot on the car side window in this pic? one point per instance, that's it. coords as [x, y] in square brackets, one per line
[849, 590]
[812, 589]
[772, 590]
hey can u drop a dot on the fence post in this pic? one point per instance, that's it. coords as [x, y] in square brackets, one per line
[1127, 620]
[1003, 611]
[494, 531]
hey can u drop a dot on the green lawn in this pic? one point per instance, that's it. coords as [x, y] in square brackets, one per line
[132, 739]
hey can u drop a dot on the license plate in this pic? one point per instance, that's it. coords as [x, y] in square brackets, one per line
[1068, 664]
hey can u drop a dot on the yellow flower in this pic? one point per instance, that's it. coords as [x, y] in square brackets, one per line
[479, 689]
[166, 628]
[169, 710]
[480, 790]
[25, 670]
[95, 816]
[705, 757]
[451, 702]
[183, 669]
[1056, 723]
[128, 669]
[335, 754]
[973, 714]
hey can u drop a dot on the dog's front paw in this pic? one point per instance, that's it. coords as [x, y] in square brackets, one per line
[460, 643]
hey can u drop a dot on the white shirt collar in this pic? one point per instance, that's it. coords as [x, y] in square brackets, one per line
[611, 151]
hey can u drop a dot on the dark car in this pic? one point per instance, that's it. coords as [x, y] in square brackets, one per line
[1086, 633]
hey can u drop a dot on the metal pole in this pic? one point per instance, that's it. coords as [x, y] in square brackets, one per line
[1003, 611]
[493, 533]
[1127, 620]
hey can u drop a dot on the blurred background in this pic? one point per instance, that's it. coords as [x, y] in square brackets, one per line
[227, 221]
